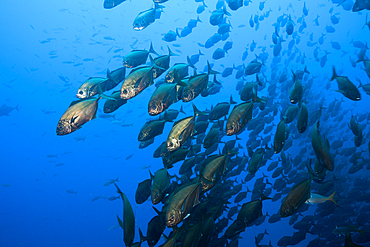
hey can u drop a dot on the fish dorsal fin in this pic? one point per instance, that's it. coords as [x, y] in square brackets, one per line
[76, 101]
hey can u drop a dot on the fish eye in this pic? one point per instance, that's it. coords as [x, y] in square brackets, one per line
[124, 91]
[171, 144]
[80, 92]
[154, 107]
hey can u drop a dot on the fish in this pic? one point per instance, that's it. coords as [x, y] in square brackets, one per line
[180, 70]
[96, 85]
[154, 231]
[321, 148]
[250, 211]
[196, 85]
[109, 4]
[171, 35]
[342, 230]
[145, 18]
[253, 67]
[161, 181]
[71, 192]
[137, 57]
[5, 110]
[139, 79]
[162, 62]
[220, 110]
[78, 113]
[151, 129]
[235, 4]
[128, 221]
[279, 138]
[238, 118]
[181, 131]
[214, 168]
[346, 87]
[217, 16]
[316, 198]
[296, 92]
[143, 191]
[163, 97]
[110, 181]
[302, 119]
[297, 196]
[181, 203]
[111, 105]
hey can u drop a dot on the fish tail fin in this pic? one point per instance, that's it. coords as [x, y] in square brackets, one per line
[361, 232]
[331, 198]
[177, 33]
[198, 20]
[200, 53]
[210, 71]
[120, 222]
[334, 74]
[263, 197]
[182, 110]
[198, 112]
[189, 62]
[16, 107]
[151, 49]
[232, 102]
[152, 62]
[117, 179]
[170, 53]
[102, 95]
[305, 70]
[142, 237]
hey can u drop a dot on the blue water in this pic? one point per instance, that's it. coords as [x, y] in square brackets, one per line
[44, 41]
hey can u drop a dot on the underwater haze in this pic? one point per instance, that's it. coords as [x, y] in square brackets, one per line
[246, 121]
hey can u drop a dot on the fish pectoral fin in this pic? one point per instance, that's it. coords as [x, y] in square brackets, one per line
[120, 222]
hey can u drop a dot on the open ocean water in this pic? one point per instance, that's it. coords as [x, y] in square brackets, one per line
[58, 190]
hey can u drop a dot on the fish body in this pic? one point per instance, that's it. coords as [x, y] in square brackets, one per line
[5, 110]
[346, 87]
[109, 4]
[297, 196]
[180, 132]
[196, 85]
[316, 198]
[77, 114]
[111, 105]
[161, 181]
[302, 119]
[321, 148]
[138, 79]
[151, 129]
[137, 57]
[238, 118]
[96, 85]
[181, 203]
[164, 96]
[128, 221]
[145, 18]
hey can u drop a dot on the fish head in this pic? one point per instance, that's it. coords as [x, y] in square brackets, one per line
[206, 185]
[173, 144]
[156, 196]
[127, 92]
[172, 218]
[83, 93]
[142, 136]
[232, 128]
[286, 210]
[187, 95]
[64, 127]
[170, 77]
[155, 108]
